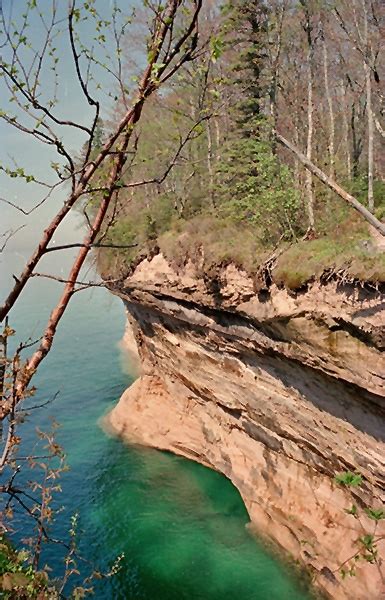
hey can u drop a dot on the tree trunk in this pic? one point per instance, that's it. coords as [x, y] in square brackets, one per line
[310, 111]
[310, 166]
[357, 143]
[3, 362]
[210, 164]
[275, 65]
[345, 123]
[296, 121]
[58, 311]
[331, 112]
[380, 129]
[370, 137]
[368, 81]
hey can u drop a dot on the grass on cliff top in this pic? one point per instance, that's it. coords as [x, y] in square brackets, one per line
[306, 261]
[348, 250]
[343, 245]
[211, 242]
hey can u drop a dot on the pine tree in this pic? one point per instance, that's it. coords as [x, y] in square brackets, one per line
[251, 184]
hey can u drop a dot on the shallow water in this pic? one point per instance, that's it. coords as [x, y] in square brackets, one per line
[181, 527]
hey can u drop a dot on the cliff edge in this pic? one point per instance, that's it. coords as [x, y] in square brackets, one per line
[277, 390]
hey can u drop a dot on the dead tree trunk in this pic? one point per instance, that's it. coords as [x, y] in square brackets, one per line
[310, 166]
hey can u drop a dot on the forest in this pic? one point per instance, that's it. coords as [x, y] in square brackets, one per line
[220, 177]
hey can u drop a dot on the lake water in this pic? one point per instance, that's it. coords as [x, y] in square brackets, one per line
[181, 527]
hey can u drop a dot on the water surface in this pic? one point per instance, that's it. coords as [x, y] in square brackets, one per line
[181, 527]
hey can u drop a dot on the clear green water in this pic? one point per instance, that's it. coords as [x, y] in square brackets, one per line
[181, 526]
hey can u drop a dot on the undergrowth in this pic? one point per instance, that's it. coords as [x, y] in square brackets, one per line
[212, 239]
[348, 250]
[19, 579]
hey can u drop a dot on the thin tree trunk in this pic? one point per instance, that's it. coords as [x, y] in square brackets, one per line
[121, 138]
[309, 147]
[370, 137]
[310, 166]
[3, 362]
[275, 76]
[380, 129]
[297, 170]
[310, 120]
[347, 147]
[145, 88]
[345, 123]
[210, 165]
[69, 289]
[129, 120]
[331, 112]
[368, 81]
[357, 142]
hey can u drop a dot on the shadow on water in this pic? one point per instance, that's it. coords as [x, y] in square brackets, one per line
[181, 527]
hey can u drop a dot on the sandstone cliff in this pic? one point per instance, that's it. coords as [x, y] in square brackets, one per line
[279, 391]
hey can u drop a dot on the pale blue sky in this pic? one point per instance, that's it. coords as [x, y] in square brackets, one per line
[33, 156]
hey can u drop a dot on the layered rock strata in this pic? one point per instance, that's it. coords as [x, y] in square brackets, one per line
[276, 390]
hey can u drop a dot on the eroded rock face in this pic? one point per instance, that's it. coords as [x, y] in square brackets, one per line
[277, 391]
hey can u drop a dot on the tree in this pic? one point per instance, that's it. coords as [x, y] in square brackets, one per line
[312, 168]
[165, 46]
[30, 78]
[308, 27]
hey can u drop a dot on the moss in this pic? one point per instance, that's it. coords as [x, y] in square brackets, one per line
[380, 212]
[368, 267]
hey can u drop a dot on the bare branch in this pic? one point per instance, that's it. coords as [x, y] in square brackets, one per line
[95, 245]
[8, 235]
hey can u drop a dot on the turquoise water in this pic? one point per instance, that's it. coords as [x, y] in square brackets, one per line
[181, 527]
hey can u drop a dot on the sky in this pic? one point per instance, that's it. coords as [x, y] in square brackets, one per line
[22, 149]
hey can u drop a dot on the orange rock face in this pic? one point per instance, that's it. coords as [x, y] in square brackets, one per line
[279, 392]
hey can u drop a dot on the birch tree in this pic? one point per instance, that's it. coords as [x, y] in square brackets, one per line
[331, 144]
[308, 27]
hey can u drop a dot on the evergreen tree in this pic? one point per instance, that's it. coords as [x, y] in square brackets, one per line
[248, 22]
[251, 184]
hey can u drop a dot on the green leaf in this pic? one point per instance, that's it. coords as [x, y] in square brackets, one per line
[375, 514]
[352, 510]
[216, 46]
[349, 479]
[367, 541]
